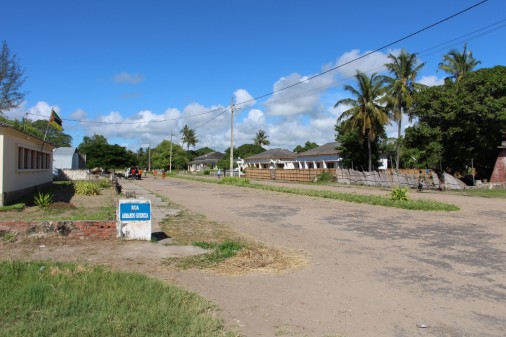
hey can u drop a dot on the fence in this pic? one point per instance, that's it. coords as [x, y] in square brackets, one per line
[411, 178]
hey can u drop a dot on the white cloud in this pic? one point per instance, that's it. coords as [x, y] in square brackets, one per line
[431, 80]
[241, 95]
[79, 114]
[125, 77]
[368, 64]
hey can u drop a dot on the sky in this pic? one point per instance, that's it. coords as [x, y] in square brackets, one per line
[138, 71]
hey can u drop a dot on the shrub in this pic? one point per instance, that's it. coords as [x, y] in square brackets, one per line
[87, 187]
[325, 177]
[399, 193]
[43, 200]
[104, 183]
[207, 172]
[16, 207]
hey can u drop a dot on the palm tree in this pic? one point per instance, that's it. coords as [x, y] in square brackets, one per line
[261, 138]
[400, 89]
[189, 137]
[366, 112]
[458, 64]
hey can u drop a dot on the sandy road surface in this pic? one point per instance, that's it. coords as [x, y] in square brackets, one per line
[373, 271]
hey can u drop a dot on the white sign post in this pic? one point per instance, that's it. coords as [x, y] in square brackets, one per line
[134, 219]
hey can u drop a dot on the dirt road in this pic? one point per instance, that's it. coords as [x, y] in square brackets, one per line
[373, 271]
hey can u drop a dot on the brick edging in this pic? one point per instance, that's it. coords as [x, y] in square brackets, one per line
[79, 228]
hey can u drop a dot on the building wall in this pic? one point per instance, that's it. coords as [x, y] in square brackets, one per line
[16, 182]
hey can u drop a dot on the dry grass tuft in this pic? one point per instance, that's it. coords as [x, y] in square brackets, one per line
[258, 258]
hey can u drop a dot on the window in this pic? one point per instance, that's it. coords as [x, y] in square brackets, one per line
[33, 160]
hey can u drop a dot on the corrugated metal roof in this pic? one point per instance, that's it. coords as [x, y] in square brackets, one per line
[273, 154]
[210, 157]
[325, 149]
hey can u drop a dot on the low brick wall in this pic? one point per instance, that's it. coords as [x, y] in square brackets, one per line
[91, 229]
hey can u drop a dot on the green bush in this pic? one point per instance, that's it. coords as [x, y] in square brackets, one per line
[43, 200]
[104, 183]
[87, 187]
[207, 172]
[325, 177]
[399, 193]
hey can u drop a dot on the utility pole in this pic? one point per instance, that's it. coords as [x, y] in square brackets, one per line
[149, 158]
[232, 139]
[170, 155]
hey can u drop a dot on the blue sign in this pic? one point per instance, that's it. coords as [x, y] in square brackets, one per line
[135, 211]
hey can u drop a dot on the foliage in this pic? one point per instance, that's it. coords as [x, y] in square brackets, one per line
[400, 89]
[11, 80]
[99, 153]
[207, 172]
[260, 138]
[160, 156]
[104, 183]
[458, 64]
[9, 236]
[353, 152]
[15, 207]
[325, 177]
[38, 129]
[243, 151]
[63, 299]
[365, 114]
[461, 122]
[188, 137]
[86, 187]
[307, 146]
[399, 193]
[43, 200]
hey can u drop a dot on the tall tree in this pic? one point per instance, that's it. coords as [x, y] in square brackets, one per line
[261, 138]
[458, 64]
[189, 137]
[11, 80]
[401, 87]
[460, 124]
[366, 113]
[99, 153]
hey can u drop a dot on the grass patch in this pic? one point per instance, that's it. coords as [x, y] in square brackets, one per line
[16, 207]
[230, 253]
[485, 193]
[54, 299]
[386, 201]
[219, 252]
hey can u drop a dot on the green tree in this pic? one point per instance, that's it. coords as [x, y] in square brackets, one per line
[366, 114]
[400, 89]
[261, 138]
[99, 153]
[354, 153]
[458, 64]
[307, 146]
[461, 123]
[199, 152]
[160, 156]
[38, 129]
[189, 137]
[11, 80]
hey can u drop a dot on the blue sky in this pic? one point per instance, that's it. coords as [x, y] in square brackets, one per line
[133, 71]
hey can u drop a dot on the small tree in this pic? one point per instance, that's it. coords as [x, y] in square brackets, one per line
[11, 80]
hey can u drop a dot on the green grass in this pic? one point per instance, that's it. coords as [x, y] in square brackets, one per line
[53, 299]
[419, 204]
[218, 252]
[485, 193]
[15, 207]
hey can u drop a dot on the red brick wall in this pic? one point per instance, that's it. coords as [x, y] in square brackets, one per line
[499, 174]
[93, 229]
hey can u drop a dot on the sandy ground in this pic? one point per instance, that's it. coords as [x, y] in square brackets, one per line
[372, 271]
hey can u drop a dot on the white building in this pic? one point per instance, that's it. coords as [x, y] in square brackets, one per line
[26, 164]
[325, 156]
